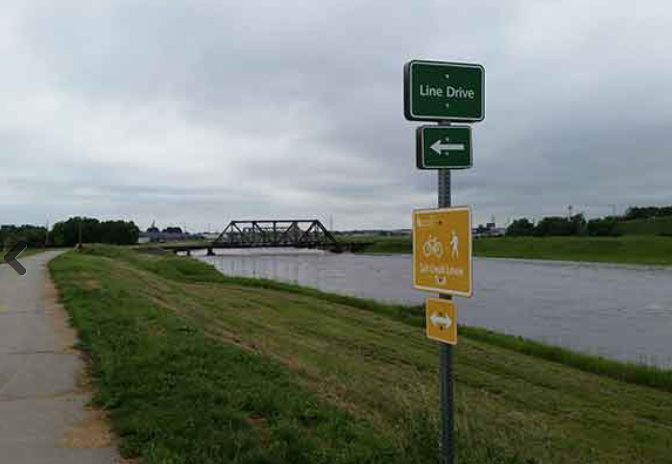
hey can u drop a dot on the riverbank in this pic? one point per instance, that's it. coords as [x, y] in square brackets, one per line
[625, 250]
[191, 363]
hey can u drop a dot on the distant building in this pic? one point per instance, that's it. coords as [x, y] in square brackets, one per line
[489, 230]
[401, 232]
[169, 234]
[153, 229]
[210, 236]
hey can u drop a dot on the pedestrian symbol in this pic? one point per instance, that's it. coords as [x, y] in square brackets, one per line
[455, 244]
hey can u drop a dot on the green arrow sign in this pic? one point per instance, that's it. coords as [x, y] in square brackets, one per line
[438, 91]
[444, 147]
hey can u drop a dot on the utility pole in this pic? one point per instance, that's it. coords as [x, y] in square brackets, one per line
[80, 233]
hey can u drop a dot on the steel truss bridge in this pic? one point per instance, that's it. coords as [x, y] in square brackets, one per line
[289, 233]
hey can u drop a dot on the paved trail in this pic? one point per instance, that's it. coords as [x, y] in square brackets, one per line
[43, 418]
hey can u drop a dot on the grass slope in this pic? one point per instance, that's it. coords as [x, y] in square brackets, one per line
[652, 226]
[178, 395]
[199, 369]
[385, 245]
[637, 374]
[626, 250]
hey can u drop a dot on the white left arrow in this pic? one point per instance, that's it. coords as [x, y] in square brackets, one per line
[439, 147]
[439, 321]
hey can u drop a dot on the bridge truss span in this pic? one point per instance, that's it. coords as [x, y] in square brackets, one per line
[277, 233]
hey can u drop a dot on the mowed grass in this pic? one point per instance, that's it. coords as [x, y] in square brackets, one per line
[638, 374]
[626, 250]
[635, 249]
[650, 226]
[384, 245]
[197, 368]
[178, 395]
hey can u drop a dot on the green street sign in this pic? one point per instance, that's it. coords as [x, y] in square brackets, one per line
[443, 147]
[438, 91]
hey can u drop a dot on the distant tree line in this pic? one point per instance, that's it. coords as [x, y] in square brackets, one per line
[94, 231]
[67, 233]
[577, 224]
[647, 212]
[34, 236]
[565, 226]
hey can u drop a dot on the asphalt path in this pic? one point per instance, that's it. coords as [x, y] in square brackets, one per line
[43, 399]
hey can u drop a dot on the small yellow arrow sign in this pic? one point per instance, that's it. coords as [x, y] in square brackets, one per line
[441, 316]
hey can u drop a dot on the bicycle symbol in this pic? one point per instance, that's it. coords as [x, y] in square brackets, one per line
[432, 247]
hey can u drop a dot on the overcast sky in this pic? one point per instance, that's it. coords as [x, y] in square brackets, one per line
[197, 112]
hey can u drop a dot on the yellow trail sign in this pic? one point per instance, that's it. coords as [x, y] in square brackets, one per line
[442, 250]
[441, 318]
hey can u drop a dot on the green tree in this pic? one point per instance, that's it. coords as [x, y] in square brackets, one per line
[93, 231]
[520, 227]
[561, 226]
[603, 227]
[34, 236]
[647, 212]
[119, 232]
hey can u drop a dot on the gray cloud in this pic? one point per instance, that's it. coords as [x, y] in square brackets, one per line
[198, 112]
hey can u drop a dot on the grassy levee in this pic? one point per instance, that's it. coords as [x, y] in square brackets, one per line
[636, 249]
[178, 395]
[651, 226]
[624, 250]
[385, 245]
[634, 373]
[195, 367]
[637, 374]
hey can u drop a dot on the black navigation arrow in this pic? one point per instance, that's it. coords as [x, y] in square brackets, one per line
[13, 254]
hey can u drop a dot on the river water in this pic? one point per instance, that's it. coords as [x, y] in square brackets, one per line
[618, 311]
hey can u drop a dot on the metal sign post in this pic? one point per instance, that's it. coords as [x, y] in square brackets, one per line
[443, 92]
[446, 356]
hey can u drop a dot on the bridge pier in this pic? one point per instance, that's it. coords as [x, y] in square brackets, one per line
[211, 252]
